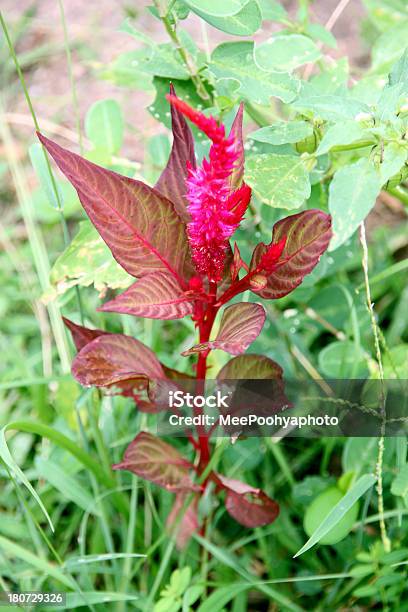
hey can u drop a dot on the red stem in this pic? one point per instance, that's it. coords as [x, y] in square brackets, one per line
[205, 326]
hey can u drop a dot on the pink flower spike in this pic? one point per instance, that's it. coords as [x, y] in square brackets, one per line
[270, 258]
[215, 211]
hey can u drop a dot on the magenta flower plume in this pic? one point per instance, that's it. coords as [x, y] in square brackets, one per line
[215, 210]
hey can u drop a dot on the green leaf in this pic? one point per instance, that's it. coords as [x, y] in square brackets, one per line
[42, 169]
[281, 181]
[65, 483]
[286, 52]
[221, 596]
[400, 483]
[389, 46]
[343, 133]
[86, 261]
[125, 71]
[399, 71]
[340, 359]
[396, 362]
[243, 23]
[45, 568]
[273, 11]
[235, 62]
[215, 7]
[330, 107]
[319, 32]
[394, 157]
[104, 125]
[320, 508]
[359, 454]
[362, 485]
[352, 195]
[165, 62]
[283, 132]
[184, 90]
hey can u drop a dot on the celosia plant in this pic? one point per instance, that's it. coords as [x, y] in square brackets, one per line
[175, 239]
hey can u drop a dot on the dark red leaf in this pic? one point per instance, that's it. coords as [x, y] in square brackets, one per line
[249, 506]
[250, 367]
[115, 359]
[141, 227]
[82, 335]
[155, 460]
[188, 522]
[172, 181]
[240, 325]
[155, 296]
[307, 237]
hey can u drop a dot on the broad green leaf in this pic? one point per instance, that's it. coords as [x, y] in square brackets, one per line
[396, 362]
[399, 71]
[38, 157]
[352, 195]
[86, 261]
[332, 78]
[281, 181]
[65, 483]
[343, 133]
[341, 360]
[104, 125]
[394, 157]
[400, 483]
[389, 102]
[273, 11]
[283, 132]
[125, 71]
[330, 107]
[359, 488]
[244, 23]
[45, 213]
[319, 510]
[165, 62]
[286, 52]
[234, 61]
[216, 8]
[184, 90]
[42, 566]
[389, 47]
[319, 32]
[359, 454]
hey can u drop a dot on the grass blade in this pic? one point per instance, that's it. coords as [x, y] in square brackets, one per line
[336, 514]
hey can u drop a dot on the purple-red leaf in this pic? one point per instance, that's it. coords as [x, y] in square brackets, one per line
[240, 325]
[307, 237]
[155, 296]
[188, 523]
[114, 359]
[249, 506]
[141, 227]
[236, 131]
[82, 335]
[155, 460]
[172, 181]
[250, 367]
